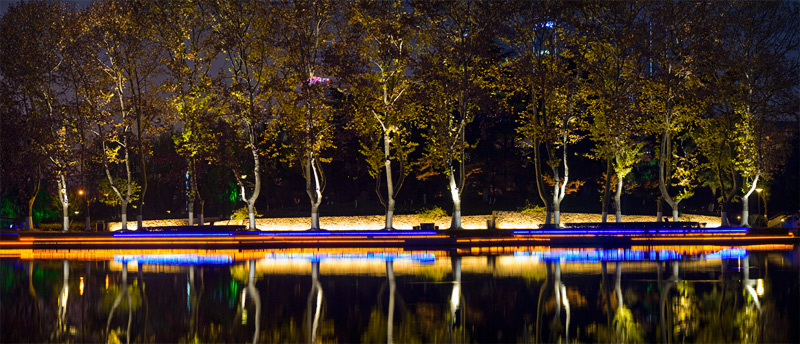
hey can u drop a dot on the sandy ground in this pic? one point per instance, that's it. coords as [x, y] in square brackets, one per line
[504, 220]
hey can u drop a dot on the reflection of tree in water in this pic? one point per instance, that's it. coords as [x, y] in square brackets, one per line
[623, 327]
[730, 311]
[385, 326]
[133, 301]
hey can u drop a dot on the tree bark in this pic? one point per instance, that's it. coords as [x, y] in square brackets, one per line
[618, 200]
[313, 189]
[390, 203]
[455, 222]
[607, 190]
[33, 197]
[746, 202]
[124, 214]
[62, 190]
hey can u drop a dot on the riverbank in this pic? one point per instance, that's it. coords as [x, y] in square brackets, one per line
[503, 220]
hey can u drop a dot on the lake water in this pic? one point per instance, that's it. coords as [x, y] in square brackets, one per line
[524, 294]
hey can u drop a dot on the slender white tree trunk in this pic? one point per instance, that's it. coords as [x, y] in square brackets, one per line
[389, 181]
[456, 220]
[745, 211]
[618, 199]
[62, 186]
[124, 214]
[251, 216]
[746, 202]
[556, 202]
[675, 213]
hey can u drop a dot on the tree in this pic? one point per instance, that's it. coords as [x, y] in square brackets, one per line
[185, 34]
[304, 35]
[544, 77]
[457, 38]
[32, 54]
[614, 68]
[245, 34]
[377, 66]
[676, 41]
[761, 77]
[124, 48]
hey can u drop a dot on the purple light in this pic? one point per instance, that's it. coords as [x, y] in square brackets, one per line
[168, 235]
[174, 259]
[612, 231]
[348, 233]
[424, 258]
[317, 79]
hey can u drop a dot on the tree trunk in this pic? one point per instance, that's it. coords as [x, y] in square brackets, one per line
[200, 219]
[124, 213]
[389, 181]
[537, 165]
[30, 212]
[191, 212]
[62, 190]
[251, 216]
[745, 211]
[313, 190]
[556, 198]
[746, 203]
[607, 190]
[65, 213]
[455, 223]
[659, 211]
[617, 199]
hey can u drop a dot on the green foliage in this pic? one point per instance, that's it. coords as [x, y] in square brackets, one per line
[115, 290]
[530, 208]
[109, 196]
[432, 214]
[242, 214]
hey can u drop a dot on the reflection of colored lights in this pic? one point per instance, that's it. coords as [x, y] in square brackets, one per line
[614, 231]
[106, 281]
[348, 233]
[423, 258]
[175, 259]
[81, 287]
[760, 287]
[593, 255]
[728, 253]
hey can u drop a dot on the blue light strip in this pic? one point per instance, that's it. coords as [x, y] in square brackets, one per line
[167, 235]
[347, 233]
[174, 259]
[421, 258]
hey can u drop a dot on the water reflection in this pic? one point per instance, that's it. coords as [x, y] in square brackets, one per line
[702, 294]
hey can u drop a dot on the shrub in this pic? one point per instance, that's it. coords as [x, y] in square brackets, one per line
[432, 214]
[529, 208]
[241, 214]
